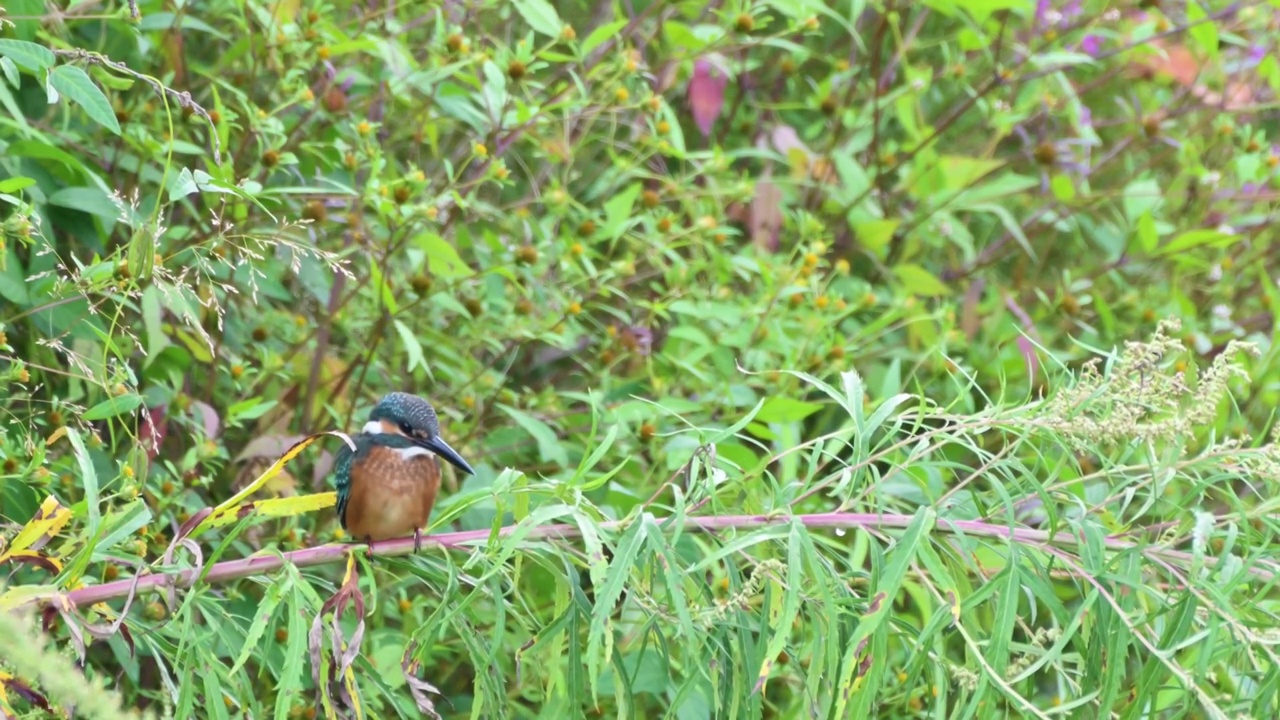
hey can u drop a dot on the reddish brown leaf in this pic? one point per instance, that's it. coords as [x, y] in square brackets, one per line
[208, 418]
[706, 93]
[765, 222]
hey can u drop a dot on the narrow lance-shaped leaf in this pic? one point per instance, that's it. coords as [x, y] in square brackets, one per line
[88, 480]
[781, 625]
[902, 554]
[600, 637]
[266, 610]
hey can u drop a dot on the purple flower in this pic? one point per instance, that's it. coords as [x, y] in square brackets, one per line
[1086, 117]
[1047, 16]
[1091, 45]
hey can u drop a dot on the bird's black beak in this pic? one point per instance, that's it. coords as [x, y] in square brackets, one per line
[438, 446]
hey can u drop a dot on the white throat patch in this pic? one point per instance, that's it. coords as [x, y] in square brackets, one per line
[373, 427]
[414, 451]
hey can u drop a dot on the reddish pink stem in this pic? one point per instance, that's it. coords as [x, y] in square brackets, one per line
[335, 552]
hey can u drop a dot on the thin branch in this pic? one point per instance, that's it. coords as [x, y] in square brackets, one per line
[336, 552]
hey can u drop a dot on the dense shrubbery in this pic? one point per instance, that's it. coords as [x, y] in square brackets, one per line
[767, 327]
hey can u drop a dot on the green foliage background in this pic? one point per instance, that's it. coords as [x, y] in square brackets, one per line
[765, 324]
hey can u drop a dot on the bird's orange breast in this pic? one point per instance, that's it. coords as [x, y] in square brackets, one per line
[392, 492]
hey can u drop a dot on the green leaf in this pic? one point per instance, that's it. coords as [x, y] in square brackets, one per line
[1060, 59]
[14, 184]
[600, 635]
[781, 623]
[781, 409]
[900, 558]
[1205, 33]
[289, 683]
[618, 211]
[1199, 238]
[11, 72]
[88, 478]
[876, 234]
[152, 314]
[122, 524]
[250, 409]
[541, 16]
[983, 9]
[183, 185]
[443, 260]
[76, 85]
[950, 173]
[13, 286]
[1146, 233]
[600, 34]
[29, 55]
[1141, 196]
[919, 281]
[411, 346]
[91, 200]
[549, 447]
[1063, 189]
[113, 407]
[266, 610]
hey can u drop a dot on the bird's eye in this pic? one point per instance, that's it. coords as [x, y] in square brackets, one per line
[406, 429]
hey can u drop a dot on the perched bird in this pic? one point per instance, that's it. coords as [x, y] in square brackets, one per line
[388, 483]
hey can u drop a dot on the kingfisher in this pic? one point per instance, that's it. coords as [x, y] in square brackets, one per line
[388, 483]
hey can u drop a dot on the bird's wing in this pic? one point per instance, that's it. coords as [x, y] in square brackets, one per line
[342, 472]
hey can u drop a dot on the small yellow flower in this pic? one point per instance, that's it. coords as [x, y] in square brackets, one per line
[480, 150]
[622, 94]
[575, 308]
[364, 128]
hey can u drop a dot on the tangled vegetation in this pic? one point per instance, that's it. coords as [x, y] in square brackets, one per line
[816, 359]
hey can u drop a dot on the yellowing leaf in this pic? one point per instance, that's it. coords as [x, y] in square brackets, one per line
[232, 509]
[48, 521]
[276, 508]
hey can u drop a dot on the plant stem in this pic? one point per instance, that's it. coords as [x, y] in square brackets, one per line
[336, 552]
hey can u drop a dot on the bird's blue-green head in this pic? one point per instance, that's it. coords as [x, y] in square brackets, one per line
[410, 416]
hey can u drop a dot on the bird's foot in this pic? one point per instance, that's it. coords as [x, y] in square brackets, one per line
[417, 540]
[368, 546]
